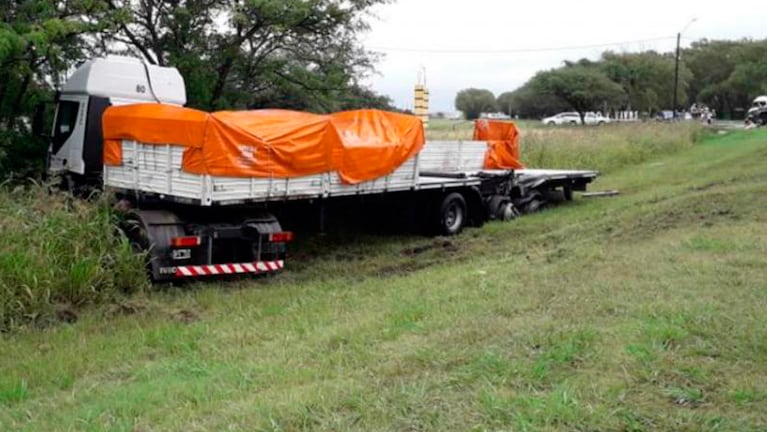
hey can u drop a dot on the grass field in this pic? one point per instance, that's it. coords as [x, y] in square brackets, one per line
[604, 148]
[641, 312]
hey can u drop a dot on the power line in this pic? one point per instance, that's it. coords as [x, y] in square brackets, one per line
[515, 50]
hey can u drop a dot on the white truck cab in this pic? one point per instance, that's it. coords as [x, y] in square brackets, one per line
[76, 139]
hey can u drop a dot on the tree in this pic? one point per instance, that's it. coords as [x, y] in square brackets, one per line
[527, 103]
[359, 97]
[39, 41]
[472, 102]
[251, 54]
[728, 74]
[506, 103]
[584, 88]
[647, 79]
[301, 54]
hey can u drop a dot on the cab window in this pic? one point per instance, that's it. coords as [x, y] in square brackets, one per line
[66, 117]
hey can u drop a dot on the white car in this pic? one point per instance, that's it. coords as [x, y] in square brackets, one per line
[562, 119]
[596, 119]
[573, 118]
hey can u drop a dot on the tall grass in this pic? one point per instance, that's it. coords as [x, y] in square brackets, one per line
[605, 148]
[58, 253]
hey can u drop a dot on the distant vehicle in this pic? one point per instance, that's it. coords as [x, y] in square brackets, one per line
[495, 116]
[665, 115]
[596, 119]
[563, 118]
[573, 118]
[757, 114]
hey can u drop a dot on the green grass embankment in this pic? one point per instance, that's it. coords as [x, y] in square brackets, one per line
[641, 312]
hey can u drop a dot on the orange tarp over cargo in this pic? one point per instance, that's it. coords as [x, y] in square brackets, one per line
[266, 143]
[375, 143]
[359, 145]
[502, 143]
[151, 123]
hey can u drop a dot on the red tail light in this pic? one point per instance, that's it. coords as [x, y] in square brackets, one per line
[185, 242]
[281, 237]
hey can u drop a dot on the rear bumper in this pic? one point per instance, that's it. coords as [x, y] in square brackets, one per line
[228, 269]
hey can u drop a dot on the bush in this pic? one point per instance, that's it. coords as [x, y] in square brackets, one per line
[57, 251]
[21, 156]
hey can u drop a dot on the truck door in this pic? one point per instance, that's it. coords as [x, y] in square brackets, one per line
[66, 150]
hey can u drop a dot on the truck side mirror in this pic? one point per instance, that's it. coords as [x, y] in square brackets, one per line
[38, 120]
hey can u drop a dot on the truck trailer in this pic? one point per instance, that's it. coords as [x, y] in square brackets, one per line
[120, 124]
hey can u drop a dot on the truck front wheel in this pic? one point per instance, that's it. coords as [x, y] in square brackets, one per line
[452, 214]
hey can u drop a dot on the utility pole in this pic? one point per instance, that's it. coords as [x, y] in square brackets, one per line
[676, 73]
[676, 66]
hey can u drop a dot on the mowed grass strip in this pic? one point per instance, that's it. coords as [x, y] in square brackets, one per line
[641, 312]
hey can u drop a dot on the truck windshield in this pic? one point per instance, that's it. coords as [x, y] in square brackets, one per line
[65, 123]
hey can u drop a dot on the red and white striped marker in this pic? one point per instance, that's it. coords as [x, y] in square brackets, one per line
[225, 269]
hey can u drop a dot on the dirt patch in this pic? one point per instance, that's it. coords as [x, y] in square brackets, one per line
[66, 313]
[706, 186]
[128, 307]
[405, 268]
[445, 245]
[185, 316]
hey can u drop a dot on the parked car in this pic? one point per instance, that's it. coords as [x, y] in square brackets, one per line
[573, 118]
[563, 118]
[596, 119]
[666, 115]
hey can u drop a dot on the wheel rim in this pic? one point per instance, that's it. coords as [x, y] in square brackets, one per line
[453, 217]
[508, 212]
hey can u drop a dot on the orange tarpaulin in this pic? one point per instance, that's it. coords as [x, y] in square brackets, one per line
[375, 143]
[267, 143]
[151, 123]
[502, 143]
[359, 145]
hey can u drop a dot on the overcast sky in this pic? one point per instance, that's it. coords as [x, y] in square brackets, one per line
[448, 37]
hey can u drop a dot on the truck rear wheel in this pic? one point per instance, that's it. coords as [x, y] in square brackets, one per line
[151, 232]
[452, 214]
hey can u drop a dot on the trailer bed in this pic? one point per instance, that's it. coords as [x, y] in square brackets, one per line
[156, 171]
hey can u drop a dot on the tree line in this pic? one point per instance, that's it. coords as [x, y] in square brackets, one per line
[723, 75]
[233, 54]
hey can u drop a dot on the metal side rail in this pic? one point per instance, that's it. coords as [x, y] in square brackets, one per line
[533, 178]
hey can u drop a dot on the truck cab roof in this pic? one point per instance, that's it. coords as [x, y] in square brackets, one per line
[127, 80]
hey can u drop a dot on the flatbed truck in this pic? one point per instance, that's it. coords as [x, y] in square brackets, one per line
[193, 225]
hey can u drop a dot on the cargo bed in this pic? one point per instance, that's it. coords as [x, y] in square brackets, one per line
[157, 170]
